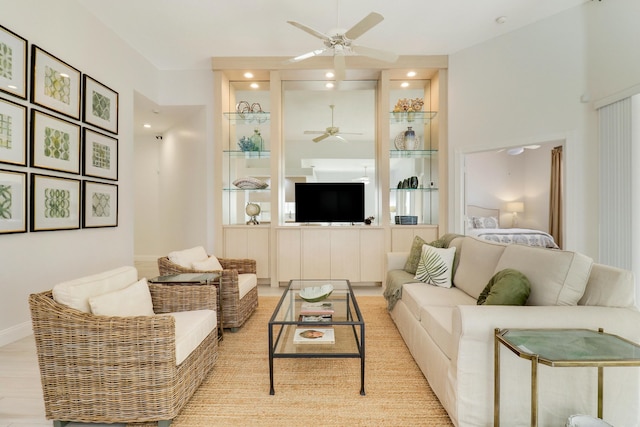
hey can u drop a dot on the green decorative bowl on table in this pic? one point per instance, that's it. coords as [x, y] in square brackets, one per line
[316, 293]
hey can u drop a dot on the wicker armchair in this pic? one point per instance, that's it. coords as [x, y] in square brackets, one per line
[102, 369]
[235, 311]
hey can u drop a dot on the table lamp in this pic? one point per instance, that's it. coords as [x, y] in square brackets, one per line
[515, 207]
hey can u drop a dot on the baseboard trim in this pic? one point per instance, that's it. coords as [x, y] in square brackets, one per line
[15, 333]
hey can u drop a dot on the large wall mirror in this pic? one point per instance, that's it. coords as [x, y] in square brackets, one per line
[310, 110]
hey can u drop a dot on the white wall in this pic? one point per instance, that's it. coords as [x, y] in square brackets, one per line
[33, 262]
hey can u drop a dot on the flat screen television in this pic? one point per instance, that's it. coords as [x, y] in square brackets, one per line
[329, 201]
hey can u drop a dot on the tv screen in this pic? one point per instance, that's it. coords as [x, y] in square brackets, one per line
[329, 201]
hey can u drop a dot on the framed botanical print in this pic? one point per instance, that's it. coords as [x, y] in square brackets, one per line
[54, 84]
[13, 133]
[100, 203]
[100, 105]
[13, 63]
[100, 155]
[55, 143]
[55, 203]
[13, 202]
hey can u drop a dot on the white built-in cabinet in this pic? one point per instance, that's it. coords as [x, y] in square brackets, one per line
[249, 242]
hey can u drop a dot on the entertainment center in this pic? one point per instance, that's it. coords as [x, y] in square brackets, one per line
[298, 236]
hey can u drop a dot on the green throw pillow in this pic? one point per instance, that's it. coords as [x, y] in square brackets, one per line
[506, 287]
[416, 251]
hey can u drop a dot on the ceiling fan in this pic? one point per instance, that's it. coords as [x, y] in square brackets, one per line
[330, 131]
[341, 42]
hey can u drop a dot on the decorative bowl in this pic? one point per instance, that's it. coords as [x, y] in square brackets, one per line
[316, 293]
[250, 183]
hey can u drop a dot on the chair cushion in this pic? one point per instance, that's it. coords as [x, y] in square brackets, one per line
[246, 282]
[191, 328]
[134, 300]
[209, 264]
[76, 293]
[186, 257]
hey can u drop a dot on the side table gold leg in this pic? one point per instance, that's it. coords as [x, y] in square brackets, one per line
[534, 391]
[600, 390]
[496, 379]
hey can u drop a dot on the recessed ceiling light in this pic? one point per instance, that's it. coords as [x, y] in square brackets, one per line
[255, 85]
[329, 85]
[329, 75]
[501, 19]
[146, 125]
[12, 87]
[411, 74]
[404, 84]
[248, 75]
[64, 75]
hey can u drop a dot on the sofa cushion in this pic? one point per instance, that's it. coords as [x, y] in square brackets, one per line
[418, 295]
[246, 282]
[411, 265]
[76, 293]
[191, 328]
[506, 287]
[209, 264]
[435, 266]
[557, 277]
[477, 265]
[186, 257]
[437, 321]
[134, 300]
[610, 287]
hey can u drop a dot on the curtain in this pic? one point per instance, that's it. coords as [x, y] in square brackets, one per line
[556, 192]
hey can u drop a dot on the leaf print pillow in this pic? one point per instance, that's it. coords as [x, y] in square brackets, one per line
[434, 267]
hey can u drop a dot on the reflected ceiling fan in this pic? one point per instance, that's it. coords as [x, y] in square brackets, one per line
[330, 131]
[341, 43]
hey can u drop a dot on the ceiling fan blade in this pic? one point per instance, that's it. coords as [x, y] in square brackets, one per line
[368, 22]
[351, 133]
[309, 30]
[314, 132]
[307, 55]
[339, 68]
[321, 137]
[340, 138]
[382, 55]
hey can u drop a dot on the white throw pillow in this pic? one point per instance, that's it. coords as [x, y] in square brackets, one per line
[134, 300]
[435, 266]
[185, 257]
[209, 264]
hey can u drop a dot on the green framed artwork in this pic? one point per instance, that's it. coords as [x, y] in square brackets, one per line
[13, 133]
[55, 203]
[54, 83]
[13, 202]
[100, 105]
[55, 143]
[100, 155]
[100, 203]
[13, 63]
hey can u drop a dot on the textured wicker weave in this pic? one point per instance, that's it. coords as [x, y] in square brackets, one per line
[102, 369]
[235, 311]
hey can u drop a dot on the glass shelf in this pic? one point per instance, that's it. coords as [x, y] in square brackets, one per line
[411, 116]
[238, 190]
[248, 154]
[395, 154]
[425, 189]
[244, 118]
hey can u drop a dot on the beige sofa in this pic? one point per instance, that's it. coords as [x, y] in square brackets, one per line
[452, 338]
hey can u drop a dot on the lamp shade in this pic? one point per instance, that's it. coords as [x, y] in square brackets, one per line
[515, 207]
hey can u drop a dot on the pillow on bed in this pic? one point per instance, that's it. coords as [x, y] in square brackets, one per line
[485, 222]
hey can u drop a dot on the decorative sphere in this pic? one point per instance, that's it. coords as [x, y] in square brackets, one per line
[252, 209]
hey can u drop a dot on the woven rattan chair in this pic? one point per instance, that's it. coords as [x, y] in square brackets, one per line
[235, 311]
[102, 369]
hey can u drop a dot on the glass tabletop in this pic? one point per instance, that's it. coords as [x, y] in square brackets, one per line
[186, 278]
[556, 347]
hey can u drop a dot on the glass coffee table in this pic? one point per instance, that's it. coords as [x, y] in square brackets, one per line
[562, 348]
[331, 328]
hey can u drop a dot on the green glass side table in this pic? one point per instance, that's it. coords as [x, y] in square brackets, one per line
[562, 348]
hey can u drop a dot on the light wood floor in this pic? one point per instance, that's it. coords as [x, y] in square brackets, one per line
[21, 402]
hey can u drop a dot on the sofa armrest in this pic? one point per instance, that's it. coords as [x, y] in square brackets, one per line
[174, 298]
[243, 265]
[396, 260]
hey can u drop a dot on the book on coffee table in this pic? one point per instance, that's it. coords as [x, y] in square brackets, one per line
[314, 336]
[315, 318]
[317, 308]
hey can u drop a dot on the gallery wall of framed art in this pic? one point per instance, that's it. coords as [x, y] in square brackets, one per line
[58, 143]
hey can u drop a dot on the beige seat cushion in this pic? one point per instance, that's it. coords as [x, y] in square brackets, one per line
[191, 328]
[76, 293]
[437, 321]
[478, 260]
[418, 295]
[246, 282]
[556, 277]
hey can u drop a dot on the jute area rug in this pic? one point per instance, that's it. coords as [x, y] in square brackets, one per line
[320, 392]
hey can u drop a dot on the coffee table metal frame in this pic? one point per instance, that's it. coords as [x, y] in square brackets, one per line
[547, 348]
[347, 323]
[211, 279]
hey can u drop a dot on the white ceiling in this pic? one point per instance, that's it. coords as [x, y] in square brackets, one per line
[186, 34]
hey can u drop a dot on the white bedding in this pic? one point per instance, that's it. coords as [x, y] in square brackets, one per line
[522, 236]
